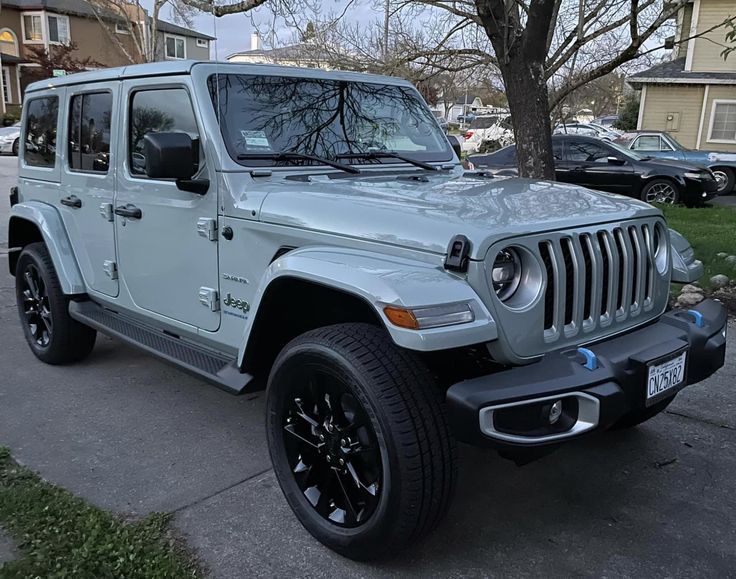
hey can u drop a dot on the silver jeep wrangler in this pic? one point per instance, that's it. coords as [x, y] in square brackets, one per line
[315, 233]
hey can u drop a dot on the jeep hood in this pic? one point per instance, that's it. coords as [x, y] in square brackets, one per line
[426, 212]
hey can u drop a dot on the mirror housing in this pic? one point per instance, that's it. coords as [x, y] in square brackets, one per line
[455, 144]
[170, 156]
[616, 160]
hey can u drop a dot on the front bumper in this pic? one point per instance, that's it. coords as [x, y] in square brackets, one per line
[697, 191]
[496, 410]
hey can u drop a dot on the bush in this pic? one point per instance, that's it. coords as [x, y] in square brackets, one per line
[628, 117]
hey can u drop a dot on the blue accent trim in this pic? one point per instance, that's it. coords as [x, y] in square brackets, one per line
[698, 317]
[591, 360]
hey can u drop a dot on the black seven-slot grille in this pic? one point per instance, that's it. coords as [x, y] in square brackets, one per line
[598, 277]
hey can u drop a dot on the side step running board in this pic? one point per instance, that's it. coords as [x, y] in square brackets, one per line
[211, 366]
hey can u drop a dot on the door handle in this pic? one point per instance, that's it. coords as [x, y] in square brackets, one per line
[129, 210]
[72, 201]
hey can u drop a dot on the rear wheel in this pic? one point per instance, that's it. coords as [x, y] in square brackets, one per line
[358, 440]
[660, 191]
[726, 179]
[54, 337]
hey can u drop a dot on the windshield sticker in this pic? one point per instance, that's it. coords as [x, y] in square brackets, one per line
[255, 140]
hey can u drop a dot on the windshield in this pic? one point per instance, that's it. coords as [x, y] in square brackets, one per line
[324, 117]
[626, 152]
[674, 142]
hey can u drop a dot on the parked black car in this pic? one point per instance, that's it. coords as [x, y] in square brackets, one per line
[609, 167]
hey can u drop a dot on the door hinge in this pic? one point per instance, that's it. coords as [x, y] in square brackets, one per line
[106, 211]
[207, 228]
[210, 298]
[110, 268]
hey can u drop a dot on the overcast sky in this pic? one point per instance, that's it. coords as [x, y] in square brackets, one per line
[233, 32]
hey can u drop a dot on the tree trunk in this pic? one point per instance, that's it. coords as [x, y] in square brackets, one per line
[526, 90]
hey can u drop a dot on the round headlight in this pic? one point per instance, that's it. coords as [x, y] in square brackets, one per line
[506, 273]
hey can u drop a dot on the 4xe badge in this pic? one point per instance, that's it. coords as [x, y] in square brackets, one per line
[236, 303]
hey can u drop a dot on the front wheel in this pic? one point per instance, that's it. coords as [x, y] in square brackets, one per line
[16, 147]
[660, 191]
[726, 179]
[53, 335]
[358, 440]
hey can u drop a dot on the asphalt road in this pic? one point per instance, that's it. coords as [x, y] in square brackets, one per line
[134, 435]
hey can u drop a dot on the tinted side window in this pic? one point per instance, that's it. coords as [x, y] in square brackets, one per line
[156, 111]
[586, 152]
[89, 132]
[505, 156]
[557, 149]
[40, 135]
[647, 143]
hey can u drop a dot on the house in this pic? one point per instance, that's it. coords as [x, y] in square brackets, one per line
[693, 95]
[451, 109]
[52, 23]
[305, 54]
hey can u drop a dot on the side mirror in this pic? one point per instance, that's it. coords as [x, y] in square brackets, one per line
[169, 156]
[455, 144]
[616, 161]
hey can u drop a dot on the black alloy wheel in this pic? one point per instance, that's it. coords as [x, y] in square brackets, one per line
[36, 305]
[358, 440]
[332, 448]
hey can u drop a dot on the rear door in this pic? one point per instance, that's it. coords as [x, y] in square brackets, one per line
[168, 254]
[88, 181]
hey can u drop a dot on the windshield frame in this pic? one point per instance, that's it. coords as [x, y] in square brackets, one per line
[445, 155]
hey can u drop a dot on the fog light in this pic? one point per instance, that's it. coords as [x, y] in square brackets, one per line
[704, 195]
[555, 411]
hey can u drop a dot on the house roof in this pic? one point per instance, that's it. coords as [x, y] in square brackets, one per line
[471, 98]
[673, 72]
[83, 8]
[293, 52]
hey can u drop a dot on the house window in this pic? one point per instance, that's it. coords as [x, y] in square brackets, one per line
[58, 28]
[32, 28]
[6, 85]
[122, 28]
[723, 122]
[175, 47]
[202, 42]
[8, 42]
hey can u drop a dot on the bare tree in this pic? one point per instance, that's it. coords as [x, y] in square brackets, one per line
[546, 49]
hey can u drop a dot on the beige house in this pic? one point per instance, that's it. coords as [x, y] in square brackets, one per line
[52, 23]
[693, 96]
[304, 54]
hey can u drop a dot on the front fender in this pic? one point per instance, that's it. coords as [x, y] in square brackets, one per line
[685, 268]
[48, 221]
[382, 280]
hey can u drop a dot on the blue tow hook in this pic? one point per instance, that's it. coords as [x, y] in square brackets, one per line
[591, 360]
[698, 317]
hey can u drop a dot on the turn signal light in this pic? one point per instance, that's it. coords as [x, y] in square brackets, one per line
[401, 317]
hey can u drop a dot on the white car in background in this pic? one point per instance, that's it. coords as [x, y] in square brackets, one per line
[587, 130]
[487, 128]
[10, 139]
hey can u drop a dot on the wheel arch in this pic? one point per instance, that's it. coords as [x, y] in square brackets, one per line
[32, 222]
[316, 286]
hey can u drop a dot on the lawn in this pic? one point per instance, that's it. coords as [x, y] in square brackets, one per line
[60, 536]
[710, 230]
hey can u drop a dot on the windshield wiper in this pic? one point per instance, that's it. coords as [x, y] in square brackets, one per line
[297, 157]
[388, 155]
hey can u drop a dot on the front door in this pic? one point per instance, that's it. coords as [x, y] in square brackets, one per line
[167, 263]
[88, 181]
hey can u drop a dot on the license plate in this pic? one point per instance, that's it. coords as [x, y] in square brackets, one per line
[665, 376]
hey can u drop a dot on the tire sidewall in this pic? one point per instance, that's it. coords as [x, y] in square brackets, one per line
[33, 255]
[384, 520]
[16, 147]
[730, 180]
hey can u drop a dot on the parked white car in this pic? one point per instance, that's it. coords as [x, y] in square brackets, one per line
[488, 128]
[10, 139]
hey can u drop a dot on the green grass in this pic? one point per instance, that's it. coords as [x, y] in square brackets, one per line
[710, 230]
[61, 536]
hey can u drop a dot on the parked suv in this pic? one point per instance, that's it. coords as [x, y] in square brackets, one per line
[316, 230]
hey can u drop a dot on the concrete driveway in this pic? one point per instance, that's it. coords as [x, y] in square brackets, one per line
[134, 435]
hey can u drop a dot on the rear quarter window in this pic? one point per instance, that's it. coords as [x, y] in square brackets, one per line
[39, 139]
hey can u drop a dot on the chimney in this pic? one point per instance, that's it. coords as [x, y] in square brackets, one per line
[255, 41]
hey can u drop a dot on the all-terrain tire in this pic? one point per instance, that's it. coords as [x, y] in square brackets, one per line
[404, 405]
[636, 417]
[67, 341]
